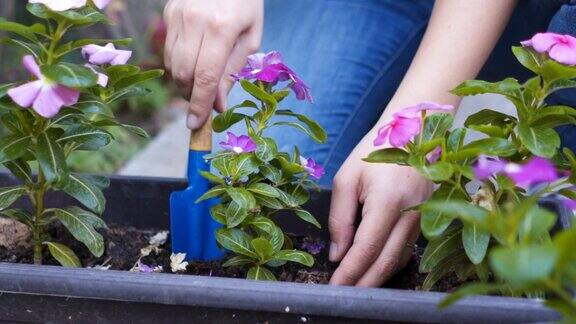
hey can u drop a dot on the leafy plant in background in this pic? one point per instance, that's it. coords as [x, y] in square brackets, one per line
[483, 220]
[255, 181]
[64, 109]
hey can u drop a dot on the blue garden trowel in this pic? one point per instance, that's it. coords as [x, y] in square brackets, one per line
[192, 227]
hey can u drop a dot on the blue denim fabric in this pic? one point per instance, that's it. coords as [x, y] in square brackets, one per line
[353, 55]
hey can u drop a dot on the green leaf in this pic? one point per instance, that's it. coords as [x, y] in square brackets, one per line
[51, 158]
[28, 32]
[4, 89]
[242, 197]
[508, 87]
[19, 216]
[457, 209]
[136, 130]
[522, 266]
[13, 147]
[131, 92]
[448, 265]
[20, 169]
[536, 223]
[260, 273]
[318, 133]
[101, 182]
[81, 17]
[245, 165]
[306, 130]
[263, 248]
[211, 177]
[81, 225]
[9, 195]
[236, 241]
[88, 138]
[225, 120]
[435, 222]
[264, 224]
[388, 155]
[70, 75]
[267, 149]
[486, 146]
[258, 93]
[475, 242]
[295, 256]
[436, 126]
[85, 192]
[277, 238]
[263, 189]
[63, 255]
[238, 261]
[541, 141]
[553, 116]
[138, 78]
[489, 117]
[528, 57]
[307, 217]
[438, 171]
[271, 173]
[552, 71]
[235, 214]
[214, 192]
[218, 213]
[28, 47]
[440, 248]
[94, 107]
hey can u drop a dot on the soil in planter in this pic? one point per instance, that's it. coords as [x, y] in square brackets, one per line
[123, 250]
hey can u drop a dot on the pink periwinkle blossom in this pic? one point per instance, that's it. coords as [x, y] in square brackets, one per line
[45, 96]
[399, 131]
[145, 268]
[434, 155]
[416, 111]
[536, 170]
[270, 68]
[313, 246]
[569, 203]
[101, 4]
[561, 48]
[102, 78]
[61, 5]
[314, 169]
[107, 54]
[238, 144]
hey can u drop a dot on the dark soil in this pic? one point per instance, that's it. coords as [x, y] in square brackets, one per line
[123, 247]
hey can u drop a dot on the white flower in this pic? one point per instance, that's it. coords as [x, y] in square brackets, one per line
[159, 239]
[177, 262]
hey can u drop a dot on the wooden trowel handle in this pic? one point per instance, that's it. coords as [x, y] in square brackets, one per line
[201, 138]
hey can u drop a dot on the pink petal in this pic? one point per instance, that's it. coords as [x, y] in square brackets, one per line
[122, 57]
[102, 57]
[61, 5]
[273, 57]
[415, 111]
[90, 49]
[542, 42]
[534, 171]
[30, 64]
[48, 103]
[102, 80]
[404, 130]
[434, 155]
[487, 167]
[101, 4]
[67, 95]
[256, 61]
[563, 53]
[25, 94]
[382, 136]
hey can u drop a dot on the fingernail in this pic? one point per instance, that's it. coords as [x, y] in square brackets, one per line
[192, 121]
[333, 251]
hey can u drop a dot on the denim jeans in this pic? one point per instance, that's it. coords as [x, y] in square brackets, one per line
[354, 53]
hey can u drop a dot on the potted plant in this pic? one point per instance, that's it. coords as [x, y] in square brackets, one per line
[137, 208]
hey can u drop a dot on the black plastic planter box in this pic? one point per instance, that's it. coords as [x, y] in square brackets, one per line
[54, 294]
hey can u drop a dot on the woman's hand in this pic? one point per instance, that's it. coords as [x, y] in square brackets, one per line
[382, 243]
[206, 42]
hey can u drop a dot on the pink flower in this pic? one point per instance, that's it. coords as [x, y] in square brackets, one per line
[270, 68]
[102, 78]
[314, 169]
[416, 111]
[434, 155]
[561, 48]
[399, 131]
[61, 5]
[45, 96]
[105, 54]
[534, 171]
[101, 4]
[569, 203]
[238, 144]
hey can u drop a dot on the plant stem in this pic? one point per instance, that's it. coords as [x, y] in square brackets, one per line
[37, 230]
[562, 294]
[56, 37]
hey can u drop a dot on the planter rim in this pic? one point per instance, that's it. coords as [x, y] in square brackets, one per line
[280, 297]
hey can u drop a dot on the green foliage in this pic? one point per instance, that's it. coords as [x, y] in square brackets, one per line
[31, 144]
[496, 233]
[254, 186]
